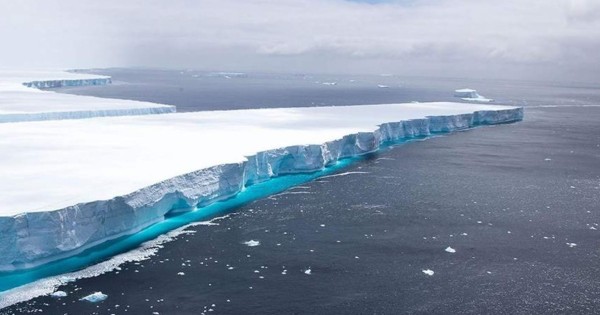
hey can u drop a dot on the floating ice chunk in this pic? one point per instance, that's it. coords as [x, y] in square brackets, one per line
[252, 243]
[308, 271]
[329, 83]
[450, 250]
[181, 273]
[471, 96]
[95, 297]
[58, 294]
[428, 272]
[382, 86]
[571, 245]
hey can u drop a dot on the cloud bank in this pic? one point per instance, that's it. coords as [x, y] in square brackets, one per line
[533, 38]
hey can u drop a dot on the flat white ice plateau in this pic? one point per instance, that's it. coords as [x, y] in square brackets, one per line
[54, 164]
[22, 103]
[67, 185]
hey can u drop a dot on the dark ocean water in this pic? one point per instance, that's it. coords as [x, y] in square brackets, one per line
[519, 204]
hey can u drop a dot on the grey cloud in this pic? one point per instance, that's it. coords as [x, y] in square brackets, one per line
[302, 34]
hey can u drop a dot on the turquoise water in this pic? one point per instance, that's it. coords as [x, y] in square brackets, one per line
[10, 280]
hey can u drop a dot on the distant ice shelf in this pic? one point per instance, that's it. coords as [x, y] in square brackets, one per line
[21, 100]
[70, 185]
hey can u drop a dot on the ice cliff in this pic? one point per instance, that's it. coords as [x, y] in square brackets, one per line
[44, 84]
[31, 239]
[20, 99]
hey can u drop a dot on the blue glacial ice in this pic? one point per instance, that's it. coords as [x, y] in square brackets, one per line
[32, 239]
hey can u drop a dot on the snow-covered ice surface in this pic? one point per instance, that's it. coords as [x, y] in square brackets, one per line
[20, 100]
[69, 185]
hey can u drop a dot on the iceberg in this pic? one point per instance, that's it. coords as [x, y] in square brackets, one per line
[21, 100]
[471, 96]
[58, 294]
[70, 185]
[95, 297]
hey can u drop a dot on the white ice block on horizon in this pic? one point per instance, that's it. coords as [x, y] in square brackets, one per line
[471, 95]
[71, 184]
[20, 100]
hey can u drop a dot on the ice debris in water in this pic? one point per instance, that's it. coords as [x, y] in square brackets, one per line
[428, 272]
[95, 297]
[308, 271]
[450, 250]
[58, 294]
[571, 245]
[252, 243]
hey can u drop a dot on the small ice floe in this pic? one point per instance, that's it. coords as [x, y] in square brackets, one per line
[383, 86]
[58, 294]
[95, 297]
[308, 271]
[252, 243]
[322, 225]
[592, 228]
[464, 234]
[329, 83]
[571, 245]
[450, 250]
[181, 273]
[489, 272]
[428, 272]
[547, 159]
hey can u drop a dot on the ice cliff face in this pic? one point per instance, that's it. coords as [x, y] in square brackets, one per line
[82, 114]
[67, 82]
[31, 239]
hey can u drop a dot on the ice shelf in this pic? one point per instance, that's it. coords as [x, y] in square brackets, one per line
[21, 100]
[68, 185]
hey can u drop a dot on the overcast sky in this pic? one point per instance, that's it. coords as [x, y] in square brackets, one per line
[524, 38]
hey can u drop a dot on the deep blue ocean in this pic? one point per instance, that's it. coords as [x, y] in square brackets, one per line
[518, 203]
